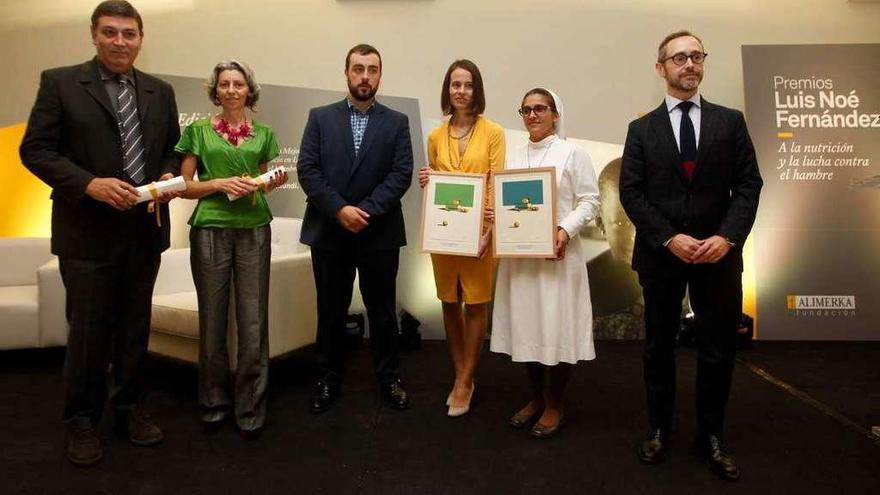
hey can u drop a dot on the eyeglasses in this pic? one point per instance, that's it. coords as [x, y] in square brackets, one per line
[681, 58]
[538, 109]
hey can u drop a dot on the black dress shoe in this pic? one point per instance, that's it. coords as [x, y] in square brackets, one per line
[720, 462]
[83, 445]
[395, 395]
[653, 449]
[324, 397]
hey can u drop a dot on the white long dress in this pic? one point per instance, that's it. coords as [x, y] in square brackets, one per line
[542, 307]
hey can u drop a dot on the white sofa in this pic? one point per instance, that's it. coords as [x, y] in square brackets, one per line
[292, 301]
[25, 320]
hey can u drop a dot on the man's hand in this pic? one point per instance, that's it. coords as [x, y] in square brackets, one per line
[352, 218]
[168, 196]
[684, 247]
[116, 193]
[711, 250]
[278, 179]
[424, 175]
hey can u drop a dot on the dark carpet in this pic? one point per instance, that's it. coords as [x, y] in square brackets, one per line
[783, 445]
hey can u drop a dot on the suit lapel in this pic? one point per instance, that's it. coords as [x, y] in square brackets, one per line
[663, 127]
[373, 127]
[145, 93]
[708, 129]
[343, 118]
[94, 86]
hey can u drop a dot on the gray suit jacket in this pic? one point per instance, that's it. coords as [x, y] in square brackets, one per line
[72, 137]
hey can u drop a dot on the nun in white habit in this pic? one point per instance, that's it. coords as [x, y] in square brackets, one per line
[542, 314]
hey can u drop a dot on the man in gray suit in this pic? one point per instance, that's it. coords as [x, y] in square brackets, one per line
[96, 131]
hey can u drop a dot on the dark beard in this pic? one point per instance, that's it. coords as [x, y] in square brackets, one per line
[353, 91]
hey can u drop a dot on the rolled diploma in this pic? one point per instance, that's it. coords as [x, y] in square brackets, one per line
[170, 185]
[261, 180]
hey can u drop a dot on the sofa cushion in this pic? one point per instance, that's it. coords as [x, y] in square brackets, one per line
[20, 317]
[28, 253]
[176, 314]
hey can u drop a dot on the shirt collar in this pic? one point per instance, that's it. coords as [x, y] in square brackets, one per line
[106, 74]
[672, 102]
[354, 109]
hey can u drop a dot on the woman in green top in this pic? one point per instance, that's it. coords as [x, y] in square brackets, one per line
[230, 240]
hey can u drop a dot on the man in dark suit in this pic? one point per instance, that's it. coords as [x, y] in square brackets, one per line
[355, 163]
[690, 183]
[96, 131]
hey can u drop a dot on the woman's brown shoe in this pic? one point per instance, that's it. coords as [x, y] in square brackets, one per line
[541, 430]
[524, 420]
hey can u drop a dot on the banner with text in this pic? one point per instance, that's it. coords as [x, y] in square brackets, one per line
[814, 116]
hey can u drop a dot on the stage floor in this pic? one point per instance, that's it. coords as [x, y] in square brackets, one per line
[797, 423]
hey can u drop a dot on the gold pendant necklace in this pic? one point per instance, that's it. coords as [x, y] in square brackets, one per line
[449, 144]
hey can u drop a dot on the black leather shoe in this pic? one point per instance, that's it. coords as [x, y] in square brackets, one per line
[395, 395]
[653, 449]
[720, 462]
[83, 445]
[138, 428]
[324, 397]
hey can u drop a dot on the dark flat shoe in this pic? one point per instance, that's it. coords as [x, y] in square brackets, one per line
[524, 420]
[542, 431]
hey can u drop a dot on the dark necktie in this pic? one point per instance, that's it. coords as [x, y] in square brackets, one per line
[133, 160]
[687, 140]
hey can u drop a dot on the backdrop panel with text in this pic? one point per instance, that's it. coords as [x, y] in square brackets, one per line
[814, 116]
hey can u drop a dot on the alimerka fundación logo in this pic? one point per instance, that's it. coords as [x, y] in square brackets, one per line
[804, 305]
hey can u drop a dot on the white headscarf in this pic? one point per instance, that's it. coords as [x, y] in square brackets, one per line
[560, 127]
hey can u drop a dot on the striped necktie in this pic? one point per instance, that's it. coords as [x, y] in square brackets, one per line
[688, 140]
[133, 160]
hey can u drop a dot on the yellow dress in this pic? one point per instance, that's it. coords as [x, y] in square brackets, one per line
[464, 277]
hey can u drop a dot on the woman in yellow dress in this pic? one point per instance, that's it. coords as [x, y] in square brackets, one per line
[468, 143]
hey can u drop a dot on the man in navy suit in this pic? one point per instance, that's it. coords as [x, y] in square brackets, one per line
[355, 163]
[689, 181]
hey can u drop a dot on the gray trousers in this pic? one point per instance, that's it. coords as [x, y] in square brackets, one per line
[240, 256]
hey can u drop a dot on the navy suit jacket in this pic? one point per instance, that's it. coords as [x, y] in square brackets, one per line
[374, 181]
[72, 137]
[721, 198]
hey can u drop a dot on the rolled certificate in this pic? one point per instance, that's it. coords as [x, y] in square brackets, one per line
[150, 191]
[260, 181]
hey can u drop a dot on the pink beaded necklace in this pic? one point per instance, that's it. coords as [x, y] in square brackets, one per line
[233, 134]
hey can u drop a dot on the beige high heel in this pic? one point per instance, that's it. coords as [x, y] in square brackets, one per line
[456, 411]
